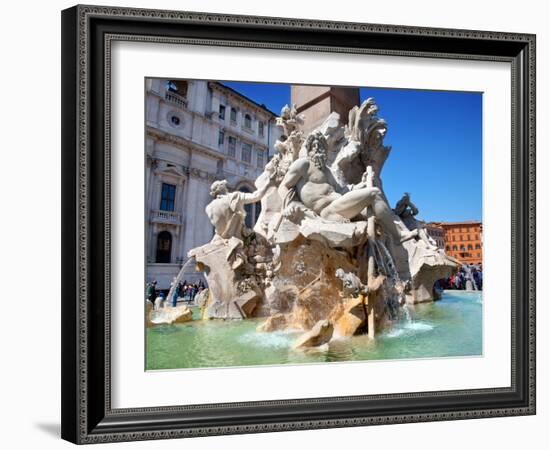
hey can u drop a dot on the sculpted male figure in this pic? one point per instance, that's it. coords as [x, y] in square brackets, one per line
[317, 189]
[226, 211]
[405, 208]
[407, 211]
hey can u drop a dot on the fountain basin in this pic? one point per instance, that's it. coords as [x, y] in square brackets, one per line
[451, 327]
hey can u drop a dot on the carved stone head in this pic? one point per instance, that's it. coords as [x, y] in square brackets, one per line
[340, 274]
[218, 188]
[316, 147]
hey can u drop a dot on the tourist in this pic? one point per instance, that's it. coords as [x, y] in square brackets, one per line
[478, 278]
[159, 301]
[194, 291]
[176, 294]
[458, 280]
[151, 291]
[187, 293]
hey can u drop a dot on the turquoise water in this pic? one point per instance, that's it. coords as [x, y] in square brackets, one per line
[449, 327]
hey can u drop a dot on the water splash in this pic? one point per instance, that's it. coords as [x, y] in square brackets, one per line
[409, 329]
[276, 339]
[178, 279]
[390, 265]
[406, 313]
[419, 326]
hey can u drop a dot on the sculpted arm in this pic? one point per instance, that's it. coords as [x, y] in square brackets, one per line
[255, 196]
[400, 207]
[295, 172]
[414, 209]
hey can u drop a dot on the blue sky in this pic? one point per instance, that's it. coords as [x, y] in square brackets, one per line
[436, 140]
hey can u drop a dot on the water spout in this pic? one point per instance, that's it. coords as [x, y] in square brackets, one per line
[178, 279]
[407, 313]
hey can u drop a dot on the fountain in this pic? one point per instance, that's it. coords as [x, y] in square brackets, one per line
[327, 255]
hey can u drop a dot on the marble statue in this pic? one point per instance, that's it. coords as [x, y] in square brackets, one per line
[351, 283]
[327, 255]
[226, 212]
[315, 187]
[407, 211]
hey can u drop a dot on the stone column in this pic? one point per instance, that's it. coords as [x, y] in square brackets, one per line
[317, 102]
[193, 209]
[182, 209]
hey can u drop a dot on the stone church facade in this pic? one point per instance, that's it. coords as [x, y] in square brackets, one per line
[196, 132]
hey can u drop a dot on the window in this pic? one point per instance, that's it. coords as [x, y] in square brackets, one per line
[468, 238]
[171, 86]
[221, 114]
[175, 120]
[177, 86]
[233, 115]
[477, 237]
[478, 247]
[247, 121]
[470, 247]
[448, 248]
[460, 238]
[231, 146]
[167, 197]
[261, 129]
[164, 247]
[479, 255]
[455, 248]
[246, 152]
[260, 159]
[221, 139]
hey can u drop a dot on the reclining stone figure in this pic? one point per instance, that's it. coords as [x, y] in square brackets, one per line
[315, 186]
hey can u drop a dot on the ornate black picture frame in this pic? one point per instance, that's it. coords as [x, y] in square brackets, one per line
[87, 35]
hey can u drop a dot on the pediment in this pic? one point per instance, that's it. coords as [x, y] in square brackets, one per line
[171, 170]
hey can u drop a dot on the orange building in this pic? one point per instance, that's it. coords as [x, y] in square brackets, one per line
[464, 240]
[437, 233]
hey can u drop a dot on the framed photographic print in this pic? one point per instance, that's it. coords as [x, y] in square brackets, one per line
[282, 224]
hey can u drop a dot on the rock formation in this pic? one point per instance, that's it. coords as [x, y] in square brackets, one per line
[169, 315]
[320, 334]
[327, 251]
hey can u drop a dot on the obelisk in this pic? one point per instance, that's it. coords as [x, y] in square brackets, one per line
[317, 102]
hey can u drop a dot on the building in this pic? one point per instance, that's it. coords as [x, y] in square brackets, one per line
[464, 240]
[437, 233]
[196, 132]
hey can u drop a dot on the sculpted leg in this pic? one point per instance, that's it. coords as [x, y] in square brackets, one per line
[352, 203]
[390, 221]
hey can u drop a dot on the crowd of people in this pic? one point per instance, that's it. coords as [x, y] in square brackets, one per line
[184, 292]
[469, 277]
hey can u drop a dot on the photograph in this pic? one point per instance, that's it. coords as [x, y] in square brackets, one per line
[306, 224]
[287, 219]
